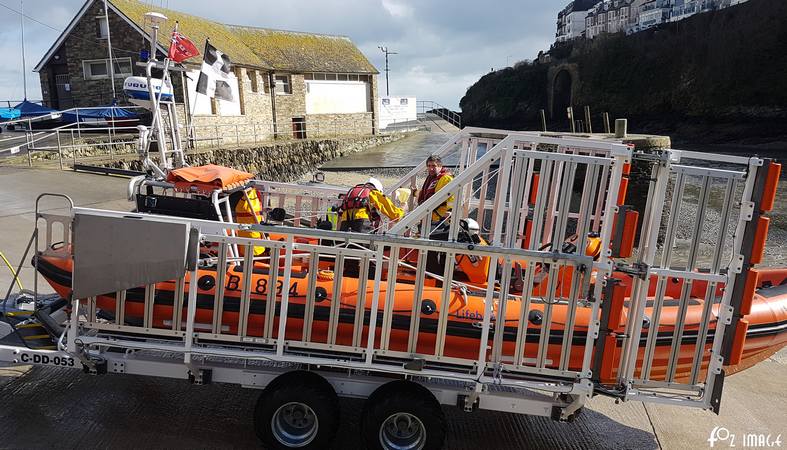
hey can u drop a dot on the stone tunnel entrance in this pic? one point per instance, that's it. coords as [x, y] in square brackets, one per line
[561, 95]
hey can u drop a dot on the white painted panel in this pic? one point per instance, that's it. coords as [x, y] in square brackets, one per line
[200, 104]
[336, 97]
[231, 108]
[393, 110]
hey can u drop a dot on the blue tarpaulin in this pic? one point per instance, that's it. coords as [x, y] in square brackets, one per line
[108, 112]
[30, 109]
[9, 113]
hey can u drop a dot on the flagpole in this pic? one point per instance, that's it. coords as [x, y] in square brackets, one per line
[196, 96]
[109, 49]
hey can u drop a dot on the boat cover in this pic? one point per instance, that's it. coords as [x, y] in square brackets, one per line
[9, 113]
[30, 109]
[104, 112]
[207, 178]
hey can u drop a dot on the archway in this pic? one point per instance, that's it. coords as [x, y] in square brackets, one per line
[561, 96]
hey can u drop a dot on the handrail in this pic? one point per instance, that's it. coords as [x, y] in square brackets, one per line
[431, 107]
[213, 135]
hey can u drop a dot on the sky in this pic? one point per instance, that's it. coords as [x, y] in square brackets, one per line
[442, 46]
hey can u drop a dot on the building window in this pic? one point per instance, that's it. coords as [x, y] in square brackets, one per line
[283, 85]
[122, 67]
[102, 29]
[97, 69]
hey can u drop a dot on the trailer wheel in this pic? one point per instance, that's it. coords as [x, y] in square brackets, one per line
[297, 410]
[403, 415]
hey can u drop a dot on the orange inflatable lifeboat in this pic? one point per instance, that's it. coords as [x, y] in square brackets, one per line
[766, 334]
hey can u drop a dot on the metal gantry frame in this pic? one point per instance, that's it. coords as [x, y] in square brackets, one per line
[536, 193]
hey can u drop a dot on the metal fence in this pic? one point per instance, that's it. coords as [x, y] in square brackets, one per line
[430, 107]
[115, 138]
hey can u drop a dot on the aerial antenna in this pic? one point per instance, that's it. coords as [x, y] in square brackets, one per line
[385, 50]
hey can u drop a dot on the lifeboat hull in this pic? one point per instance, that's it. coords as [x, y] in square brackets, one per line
[767, 332]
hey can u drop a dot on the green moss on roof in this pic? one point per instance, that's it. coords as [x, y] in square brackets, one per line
[303, 52]
[258, 47]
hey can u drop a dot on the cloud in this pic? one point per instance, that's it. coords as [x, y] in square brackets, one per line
[443, 46]
[398, 9]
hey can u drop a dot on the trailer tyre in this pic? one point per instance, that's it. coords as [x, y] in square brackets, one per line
[297, 410]
[402, 415]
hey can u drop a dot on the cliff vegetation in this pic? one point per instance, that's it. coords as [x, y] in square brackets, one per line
[718, 76]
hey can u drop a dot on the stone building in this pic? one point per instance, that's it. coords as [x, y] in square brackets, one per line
[629, 16]
[609, 16]
[571, 20]
[285, 81]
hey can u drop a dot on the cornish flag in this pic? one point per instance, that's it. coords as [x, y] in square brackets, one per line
[215, 76]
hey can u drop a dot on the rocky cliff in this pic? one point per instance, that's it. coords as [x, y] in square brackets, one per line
[719, 76]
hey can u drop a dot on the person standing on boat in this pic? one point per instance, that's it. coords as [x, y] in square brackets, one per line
[437, 177]
[362, 206]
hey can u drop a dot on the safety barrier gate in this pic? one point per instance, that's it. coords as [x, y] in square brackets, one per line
[701, 234]
[534, 302]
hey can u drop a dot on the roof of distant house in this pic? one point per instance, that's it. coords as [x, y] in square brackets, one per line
[247, 46]
[583, 5]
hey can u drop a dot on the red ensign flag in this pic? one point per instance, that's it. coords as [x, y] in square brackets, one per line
[181, 48]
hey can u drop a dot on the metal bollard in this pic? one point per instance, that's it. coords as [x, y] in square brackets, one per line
[621, 126]
[571, 119]
[588, 124]
[59, 150]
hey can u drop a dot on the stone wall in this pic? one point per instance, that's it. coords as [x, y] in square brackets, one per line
[375, 101]
[84, 44]
[339, 124]
[47, 84]
[254, 123]
[286, 161]
[291, 105]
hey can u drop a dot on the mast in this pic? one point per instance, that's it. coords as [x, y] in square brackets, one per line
[109, 49]
[24, 64]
